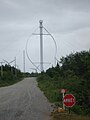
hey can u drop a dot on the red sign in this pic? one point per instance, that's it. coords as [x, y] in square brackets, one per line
[69, 100]
[63, 90]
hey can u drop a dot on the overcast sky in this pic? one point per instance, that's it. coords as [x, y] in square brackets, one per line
[67, 20]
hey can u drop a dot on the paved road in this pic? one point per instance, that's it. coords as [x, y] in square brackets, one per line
[23, 101]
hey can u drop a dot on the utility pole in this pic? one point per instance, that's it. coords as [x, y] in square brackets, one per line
[24, 61]
[41, 45]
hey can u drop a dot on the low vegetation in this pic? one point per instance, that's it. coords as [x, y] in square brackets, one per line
[65, 116]
[72, 73]
[9, 75]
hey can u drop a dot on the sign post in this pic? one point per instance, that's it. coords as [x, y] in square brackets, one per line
[63, 91]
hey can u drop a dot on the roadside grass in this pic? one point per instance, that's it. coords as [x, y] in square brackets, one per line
[50, 88]
[9, 79]
[9, 82]
[66, 116]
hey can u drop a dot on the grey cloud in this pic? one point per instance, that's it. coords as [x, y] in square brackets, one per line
[68, 20]
[77, 5]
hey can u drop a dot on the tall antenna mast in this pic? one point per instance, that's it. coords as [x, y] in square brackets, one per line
[41, 45]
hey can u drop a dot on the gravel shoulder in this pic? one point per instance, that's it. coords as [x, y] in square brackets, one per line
[23, 101]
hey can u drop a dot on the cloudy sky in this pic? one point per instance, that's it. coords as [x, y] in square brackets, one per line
[67, 20]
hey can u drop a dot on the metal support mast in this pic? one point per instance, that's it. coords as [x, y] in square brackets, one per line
[41, 45]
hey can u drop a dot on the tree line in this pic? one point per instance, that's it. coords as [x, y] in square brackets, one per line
[72, 73]
[9, 75]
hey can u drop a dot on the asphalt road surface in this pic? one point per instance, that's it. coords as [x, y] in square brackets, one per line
[23, 101]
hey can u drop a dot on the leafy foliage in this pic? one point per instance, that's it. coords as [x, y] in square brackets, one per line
[73, 75]
[9, 75]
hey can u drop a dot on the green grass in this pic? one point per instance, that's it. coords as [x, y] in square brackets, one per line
[51, 88]
[66, 116]
[9, 82]
[48, 86]
[9, 78]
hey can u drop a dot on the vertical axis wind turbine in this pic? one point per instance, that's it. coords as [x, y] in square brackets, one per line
[41, 46]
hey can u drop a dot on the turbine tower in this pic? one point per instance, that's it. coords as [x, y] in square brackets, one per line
[41, 45]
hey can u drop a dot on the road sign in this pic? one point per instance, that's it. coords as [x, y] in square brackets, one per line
[69, 100]
[63, 90]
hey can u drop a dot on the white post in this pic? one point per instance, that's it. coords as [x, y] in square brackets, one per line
[63, 102]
